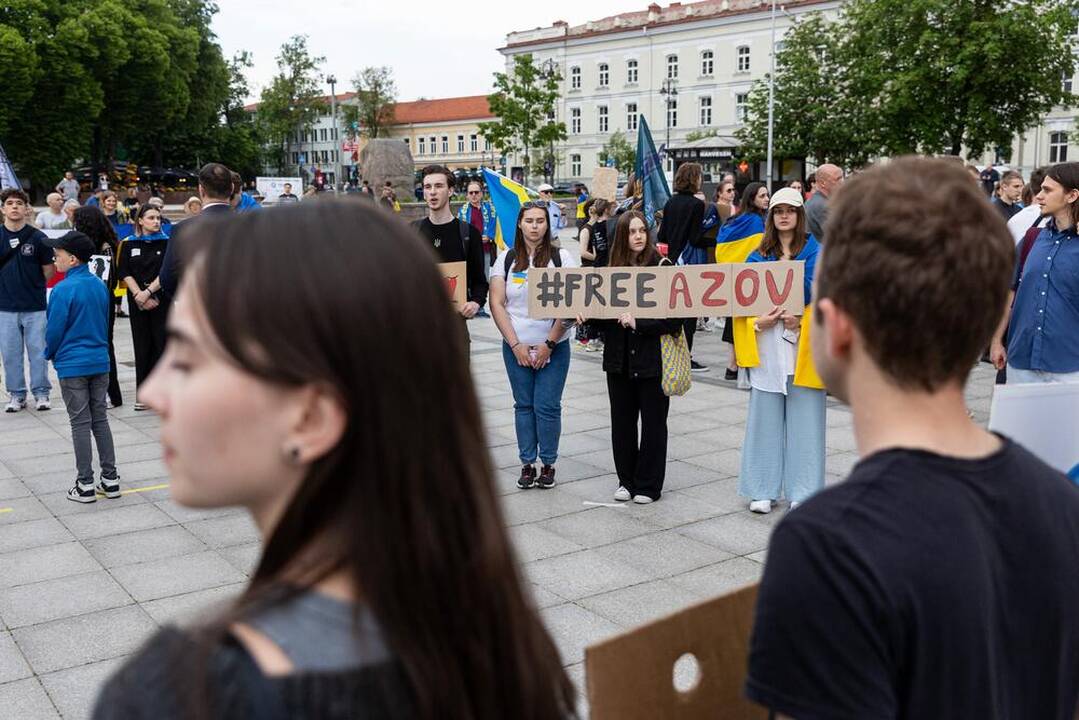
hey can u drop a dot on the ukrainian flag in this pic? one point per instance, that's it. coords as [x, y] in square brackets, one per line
[507, 197]
[738, 237]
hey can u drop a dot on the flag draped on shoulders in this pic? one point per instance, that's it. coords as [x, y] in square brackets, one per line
[507, 197]
[738, 237]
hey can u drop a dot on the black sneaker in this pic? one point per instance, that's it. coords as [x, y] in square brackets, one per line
[730, 374]
[528, 477]
[546, 477]
[695, 366]
[82, 493]
[109, 487]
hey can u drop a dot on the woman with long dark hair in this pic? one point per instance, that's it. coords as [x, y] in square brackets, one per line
[141, 256]
[738, 237]
[634, 366]
[783, 453]
[387, 586]
[535, 351]
[92, 222]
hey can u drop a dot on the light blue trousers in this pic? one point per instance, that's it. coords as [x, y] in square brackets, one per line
[23, 334]
[784, 447]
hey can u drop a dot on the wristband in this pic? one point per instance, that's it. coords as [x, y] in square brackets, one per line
[514, 345]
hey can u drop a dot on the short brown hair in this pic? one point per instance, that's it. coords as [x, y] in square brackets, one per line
[1011, 175]
[14, 193]
[687, 178]
[921, 263]
[451, 181]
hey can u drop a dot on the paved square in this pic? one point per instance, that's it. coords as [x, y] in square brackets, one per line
[83, 586]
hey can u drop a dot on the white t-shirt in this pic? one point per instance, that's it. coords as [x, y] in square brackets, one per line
[777, 357]
[1022, 220]
[529, 331]
[47, 221]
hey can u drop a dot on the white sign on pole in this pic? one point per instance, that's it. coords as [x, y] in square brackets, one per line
[271, 187]
[1043, 418]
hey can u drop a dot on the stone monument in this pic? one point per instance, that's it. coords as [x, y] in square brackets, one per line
[391, 160]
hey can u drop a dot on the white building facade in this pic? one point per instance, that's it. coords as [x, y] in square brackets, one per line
[615, 71]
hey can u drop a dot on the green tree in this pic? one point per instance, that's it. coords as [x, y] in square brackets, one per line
[376, 95]
[291, 101]
[621, 151]
[524, 101]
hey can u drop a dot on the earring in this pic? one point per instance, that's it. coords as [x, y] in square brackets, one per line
[291, 454]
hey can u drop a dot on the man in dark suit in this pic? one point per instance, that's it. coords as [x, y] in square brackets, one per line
[215, 189]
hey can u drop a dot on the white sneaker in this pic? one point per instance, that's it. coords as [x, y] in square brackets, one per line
[42, 403]
[794, 504]
[15, 404]
[621, 494]
[642, 499]
[761, 506]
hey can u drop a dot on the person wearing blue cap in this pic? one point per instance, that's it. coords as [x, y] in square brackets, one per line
[76, 341]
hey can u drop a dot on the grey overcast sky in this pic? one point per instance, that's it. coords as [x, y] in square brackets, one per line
[436, 48]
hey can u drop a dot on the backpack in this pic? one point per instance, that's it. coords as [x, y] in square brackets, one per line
[1025, 246]
[557, 258]
[462, 229]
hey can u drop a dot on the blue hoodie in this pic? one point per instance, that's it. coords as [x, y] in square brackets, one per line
[76, 330]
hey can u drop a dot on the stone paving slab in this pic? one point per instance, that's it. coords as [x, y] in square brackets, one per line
[81, 587]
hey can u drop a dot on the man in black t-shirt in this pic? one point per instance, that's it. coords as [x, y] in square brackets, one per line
[939, 580]
[451, 241]
[989, 179]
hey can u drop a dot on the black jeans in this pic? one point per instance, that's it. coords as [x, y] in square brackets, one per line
[114, 382]
[147, 337]
[641, 467]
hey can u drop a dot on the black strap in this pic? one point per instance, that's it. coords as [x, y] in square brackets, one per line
[466, 232]
[262, 693]
[556, 257]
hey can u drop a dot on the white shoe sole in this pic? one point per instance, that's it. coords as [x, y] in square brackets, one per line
[622, 495]
[642, 499]
[760, 509]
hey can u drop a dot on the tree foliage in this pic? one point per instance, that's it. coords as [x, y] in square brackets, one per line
[96, 80]
[619, 149]
[376, 95]
[524, 101]
[292, 100]
[890, 77]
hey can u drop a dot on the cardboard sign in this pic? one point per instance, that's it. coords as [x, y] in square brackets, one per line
[456, 276]
[631, 677]
[1043, 418]
[605, 183]
[717, 290]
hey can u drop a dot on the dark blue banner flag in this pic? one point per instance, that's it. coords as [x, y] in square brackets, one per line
[649, 171]
[7, 173]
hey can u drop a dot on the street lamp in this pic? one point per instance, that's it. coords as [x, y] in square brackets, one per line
[549, 68]
[670, 92]
[332, 80]
[771, 98]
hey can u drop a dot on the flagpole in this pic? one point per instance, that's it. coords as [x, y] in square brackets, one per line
[771, 98]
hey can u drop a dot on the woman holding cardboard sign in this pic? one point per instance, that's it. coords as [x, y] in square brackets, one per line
[634, 366]
[535, 351]
[784, 446]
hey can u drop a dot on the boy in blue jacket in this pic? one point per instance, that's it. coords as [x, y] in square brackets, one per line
[76, 340]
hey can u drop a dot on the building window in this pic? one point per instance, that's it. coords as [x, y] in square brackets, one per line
[423, 146]
[575, 165]
[408, 144]
[322, 135]
[708, 64]
[486, 144]
[601, 113]
[474, 143]
[706, 111]
[604, 75]
[1058, 147]
[295, 158]
[333, 133]
[631, 116]
[781, 45]
[434, 145]
[740, 111]
[575, 121]
[460, 143]
[631, 71]
[575, 78]
[551, 115]
[1067, 82]
[672, 66]
[743, 58]
[672, 113]
[445, 145]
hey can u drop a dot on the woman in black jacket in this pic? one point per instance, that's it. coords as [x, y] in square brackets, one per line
[632, 361]
[682, 231]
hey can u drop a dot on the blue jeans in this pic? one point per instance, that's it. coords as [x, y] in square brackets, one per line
[537, 404]
[19, 332]
[784, 447]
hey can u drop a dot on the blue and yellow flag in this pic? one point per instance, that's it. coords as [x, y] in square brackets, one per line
[507, 197]
[649, 171]
[738, 237]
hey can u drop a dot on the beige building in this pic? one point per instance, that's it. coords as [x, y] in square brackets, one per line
[706, 55]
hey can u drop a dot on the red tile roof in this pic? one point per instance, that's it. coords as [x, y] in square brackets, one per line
[472, 107]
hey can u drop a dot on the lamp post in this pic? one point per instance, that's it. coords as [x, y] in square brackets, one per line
[332, 80]
[771, 98]
[670, 92]
[549, 68]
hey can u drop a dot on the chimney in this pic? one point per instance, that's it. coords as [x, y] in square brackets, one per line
[653, 12]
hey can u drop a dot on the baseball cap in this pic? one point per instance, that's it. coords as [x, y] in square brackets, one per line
[75, 243]
[786, 196]
[545, 187]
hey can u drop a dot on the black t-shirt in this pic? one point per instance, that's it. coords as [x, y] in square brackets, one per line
[446, 241]
[924, 587]
[141, 258]
[22, 282]
[989, 178]
[1006, 210]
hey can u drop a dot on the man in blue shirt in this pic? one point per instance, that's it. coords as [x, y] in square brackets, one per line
[1043, 335]
[25, 266]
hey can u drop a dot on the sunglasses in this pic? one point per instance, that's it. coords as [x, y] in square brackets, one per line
[473, 192]
[534, 204]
